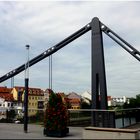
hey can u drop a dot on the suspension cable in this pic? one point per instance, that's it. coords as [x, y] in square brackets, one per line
[50, 72]
[12, 82]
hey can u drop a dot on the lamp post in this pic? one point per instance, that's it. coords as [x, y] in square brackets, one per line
[26, 91]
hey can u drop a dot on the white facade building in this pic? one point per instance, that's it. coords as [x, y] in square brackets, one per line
[87, 95]
[5, 104]
[119, 100]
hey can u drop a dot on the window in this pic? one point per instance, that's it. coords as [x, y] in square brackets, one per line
[8, 104]
[0, 104]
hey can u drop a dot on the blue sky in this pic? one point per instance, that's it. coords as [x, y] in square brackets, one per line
[44, 24]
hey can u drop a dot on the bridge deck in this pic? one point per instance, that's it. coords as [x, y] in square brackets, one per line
[134, 126]
[15, 131]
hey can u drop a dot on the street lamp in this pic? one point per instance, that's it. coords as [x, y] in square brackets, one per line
[26, 91]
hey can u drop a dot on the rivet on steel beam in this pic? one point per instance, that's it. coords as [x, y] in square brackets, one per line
[88, 25]
[103, 27]
[45, 52]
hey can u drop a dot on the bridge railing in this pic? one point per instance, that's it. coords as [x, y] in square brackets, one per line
[81, 117]
[105, 118]
[127, 117]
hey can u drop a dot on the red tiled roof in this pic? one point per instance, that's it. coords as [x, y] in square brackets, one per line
[32, 91]
[73, 95]
[19, 88]
[49, 91]
[7, 97]
[62, 94]
[5, 90]
[74, 101]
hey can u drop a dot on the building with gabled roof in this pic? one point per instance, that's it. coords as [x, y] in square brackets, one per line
[86, 95]
[75, 100]
[35, 98]
[6, 101]
[7, 97]
[5, 90]
[63, 96]
[73, 95]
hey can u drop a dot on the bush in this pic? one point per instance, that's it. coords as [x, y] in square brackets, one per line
[3, 120]
[56, 114]
[10, 115]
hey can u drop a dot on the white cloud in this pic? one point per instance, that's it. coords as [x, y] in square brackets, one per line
[44, 24]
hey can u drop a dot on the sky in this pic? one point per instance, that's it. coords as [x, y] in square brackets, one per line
[42, 24]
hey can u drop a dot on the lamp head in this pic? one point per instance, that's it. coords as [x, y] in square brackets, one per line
[27, 47]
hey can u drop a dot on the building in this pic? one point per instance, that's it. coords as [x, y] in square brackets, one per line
[35, 98]
[6, 100]
[109, 100]
[75, 100]
[63, 96]
[46, 96]
[119, 100]
[5, 90]
[6, 103]
[86, 96]
[65, 100]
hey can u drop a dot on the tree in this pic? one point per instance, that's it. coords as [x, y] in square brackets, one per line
[138, 100]
[10, 115]
[85, 105]
[67, 102]
[133, 103]
[56, 116]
